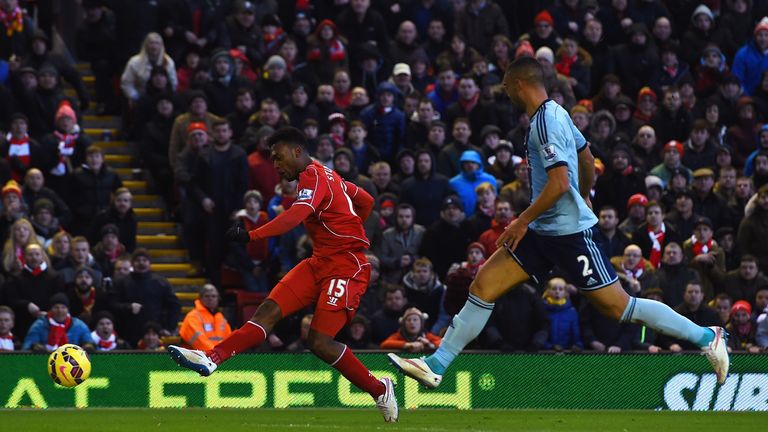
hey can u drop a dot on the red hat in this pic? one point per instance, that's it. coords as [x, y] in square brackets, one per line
[762, 25]
[586, 103]
[544, 16]
[525, 49]
[197, 126]
[387, 203]
[741, 305]
[65, 110]
[647, 91]
[476, 245]
[11, 188]
[637, 199]
[677, 145]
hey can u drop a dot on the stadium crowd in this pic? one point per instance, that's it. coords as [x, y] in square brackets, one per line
[404, 99]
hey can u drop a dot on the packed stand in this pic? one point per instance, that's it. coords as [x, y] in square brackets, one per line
[405, 100]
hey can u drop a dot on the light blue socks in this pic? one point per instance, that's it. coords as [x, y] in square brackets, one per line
[464, 328]
[661, 317]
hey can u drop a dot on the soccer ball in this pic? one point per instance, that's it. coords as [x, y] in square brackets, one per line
[69, 365]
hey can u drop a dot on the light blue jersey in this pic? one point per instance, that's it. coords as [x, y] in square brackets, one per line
[554, 141]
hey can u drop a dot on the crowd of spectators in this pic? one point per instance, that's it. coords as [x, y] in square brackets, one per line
[404, 99]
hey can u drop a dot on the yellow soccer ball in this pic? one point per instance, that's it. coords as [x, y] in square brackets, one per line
[69, 365]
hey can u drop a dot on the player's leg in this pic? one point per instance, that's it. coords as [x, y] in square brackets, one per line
[286, 298]
[497, 276]
[335, 307]
[590, 267]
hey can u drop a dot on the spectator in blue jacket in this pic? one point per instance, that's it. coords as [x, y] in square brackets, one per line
[471, 176]
[386, 121]
[57, 328]
[752, 58]
[564, 332]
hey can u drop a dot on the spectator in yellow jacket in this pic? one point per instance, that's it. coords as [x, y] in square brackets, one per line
[204, 327]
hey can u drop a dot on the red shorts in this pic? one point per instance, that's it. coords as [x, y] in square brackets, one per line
[334, 284]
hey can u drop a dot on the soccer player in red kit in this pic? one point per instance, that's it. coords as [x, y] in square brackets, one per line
[333, 278]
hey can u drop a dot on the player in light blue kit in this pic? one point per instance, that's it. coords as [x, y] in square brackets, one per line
[557, 228]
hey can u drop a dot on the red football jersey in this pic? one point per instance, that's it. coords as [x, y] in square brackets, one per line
[333, 225]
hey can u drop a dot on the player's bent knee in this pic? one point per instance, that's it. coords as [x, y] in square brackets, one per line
[482, 291]
[321, 345]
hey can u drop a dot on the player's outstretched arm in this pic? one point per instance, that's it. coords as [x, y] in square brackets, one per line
[283, 223]
[361, 200]
[586, 172]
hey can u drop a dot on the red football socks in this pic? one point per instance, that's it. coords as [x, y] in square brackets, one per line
[357, 374]
[248, 336]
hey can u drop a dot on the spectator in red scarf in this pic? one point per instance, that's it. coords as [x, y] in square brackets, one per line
[16, 30]
[272, 35]
[635, 272]
[460, 275]
[471, 107]
[21, 151]
[57, 328]
[108, 249]
[85, 299]
[574, 63]
[103, 334]
[327, 51]
[704, 255]
[654, 235]
[29, 292]
[66, 149]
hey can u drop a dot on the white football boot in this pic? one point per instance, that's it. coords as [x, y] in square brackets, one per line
[195, 360]
[717, 354]
[416, 369]
[387, 402]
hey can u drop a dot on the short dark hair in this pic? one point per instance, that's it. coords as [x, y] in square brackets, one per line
[392, 288]
[655, 203]
[748, 258]
[608, 208]
[414, 95]
[269, 101]
[406, 206]
[723, 296]
[526, 69]
[244, 90]
[290, 136]
[220, 122]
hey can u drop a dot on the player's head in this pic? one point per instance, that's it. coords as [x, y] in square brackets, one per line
[289, 152]
[525, 72]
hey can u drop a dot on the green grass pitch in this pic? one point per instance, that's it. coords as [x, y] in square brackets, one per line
[227, 420]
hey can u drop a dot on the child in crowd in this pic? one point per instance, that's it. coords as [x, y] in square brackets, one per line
[564, 330]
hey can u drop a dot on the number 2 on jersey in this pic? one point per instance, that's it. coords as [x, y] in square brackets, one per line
[586, 271]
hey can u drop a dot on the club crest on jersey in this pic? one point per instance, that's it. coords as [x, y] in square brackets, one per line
[549, 152]
[304, 195]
